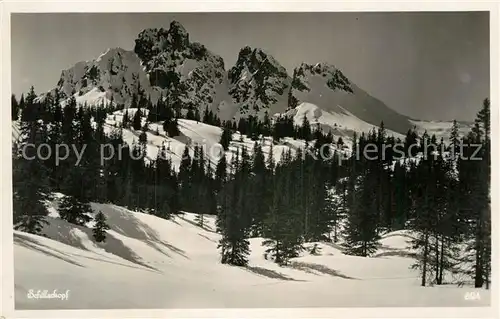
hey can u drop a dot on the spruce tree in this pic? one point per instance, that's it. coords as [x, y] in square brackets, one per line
[100, 227]
[220, 173]
[361, 236]
[164, 186]
[30, 110]
[283, 226]
[22, 104]
[234, 244]
[361, 231]
[30, 180]
[190, 114]
[14, 108]
[260, 192]
[305, 130]
[221, 178]
[435, 219]
[475, 175]
[126, 120]
[75, 207]
[185, 180]
[137, 120]
[333, 212]
[226, 137]
[171, 127]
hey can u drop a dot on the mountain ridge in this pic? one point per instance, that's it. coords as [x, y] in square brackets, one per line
[166, 64]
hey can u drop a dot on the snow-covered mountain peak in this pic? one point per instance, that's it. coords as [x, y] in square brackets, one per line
[331, 75]
[172, 61]
[258, 83]
[326, 86]
[255, 60]
[166, 61]
[116, 73]
[111, 52]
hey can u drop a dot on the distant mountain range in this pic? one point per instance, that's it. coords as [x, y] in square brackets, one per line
[166, 60]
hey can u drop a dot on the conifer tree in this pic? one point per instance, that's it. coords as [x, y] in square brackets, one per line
[137, 120]
[75, 207]
[30, 178]
[226, 137]
[305, 129]
[334, 212]
[190, 114]
[425, 211]
[474, 175]
[100, 227]
[185, 180]
[30, 110]
[260, 192]
[361, 233]
[22, 104]
[284, 224]
[55, 138]
[164, 199]
[14, 108]
[220, 173]
[361, 236]
[197, 115]
[171, 127]
[234, 244]
[126, 120]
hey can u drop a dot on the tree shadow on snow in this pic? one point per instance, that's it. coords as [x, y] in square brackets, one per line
[195, 224]
[269, 273]
[35, 245]
[398, 253]
[64, 232]
[206, 237]
[183, 139]
[311, 268]
[125, 223]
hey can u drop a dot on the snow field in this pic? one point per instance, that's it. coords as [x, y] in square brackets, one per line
[148, 262]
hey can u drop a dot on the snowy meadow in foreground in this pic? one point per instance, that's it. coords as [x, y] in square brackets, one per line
[148, 262]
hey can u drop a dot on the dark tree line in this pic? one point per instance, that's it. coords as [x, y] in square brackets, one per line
[302, 197]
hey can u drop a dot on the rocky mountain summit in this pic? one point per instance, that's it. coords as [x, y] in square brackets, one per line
[167, 64]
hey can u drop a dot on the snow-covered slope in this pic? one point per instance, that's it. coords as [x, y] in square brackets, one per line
[114, 75]
[340, 121]
[16, 131]
[194, 133]
[148, 262]
[327, 87]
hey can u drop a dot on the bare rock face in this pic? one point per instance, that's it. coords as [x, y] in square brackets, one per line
[172, 62]
[116, 74]
[258, 83]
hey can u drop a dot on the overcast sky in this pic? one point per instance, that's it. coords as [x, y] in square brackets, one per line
[424, 65]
